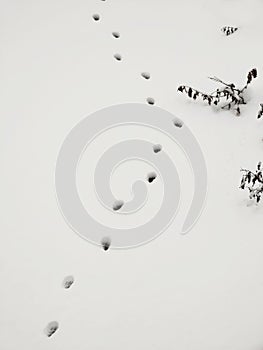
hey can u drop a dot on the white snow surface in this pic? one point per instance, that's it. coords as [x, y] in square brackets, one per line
[201, 291]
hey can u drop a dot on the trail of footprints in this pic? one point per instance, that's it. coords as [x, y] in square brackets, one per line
[53, 326]
[118, 57]
[118, 204]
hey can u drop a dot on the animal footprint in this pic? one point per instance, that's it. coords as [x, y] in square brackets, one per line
[146, 75]
[51, 328]
[117, 57]
[96, 17]
[106, 242]
[151, 177]
[116, 35]
[68, 281]
[157, 148]
[150, 101]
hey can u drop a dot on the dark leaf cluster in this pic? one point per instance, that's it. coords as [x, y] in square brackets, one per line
[229, 30]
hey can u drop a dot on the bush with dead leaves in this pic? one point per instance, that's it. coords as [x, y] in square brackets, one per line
[229, 93]
[253, 182]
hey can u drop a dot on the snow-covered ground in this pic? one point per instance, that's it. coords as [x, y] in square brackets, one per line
[200, 291]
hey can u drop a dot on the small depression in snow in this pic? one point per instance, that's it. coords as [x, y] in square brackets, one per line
[96, 17]
[51, 328]
[68, 281]
[150, 101]
[157, 148]
[105, 243]
[151, 177]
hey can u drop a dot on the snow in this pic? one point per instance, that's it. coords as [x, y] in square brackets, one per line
[200, 291]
